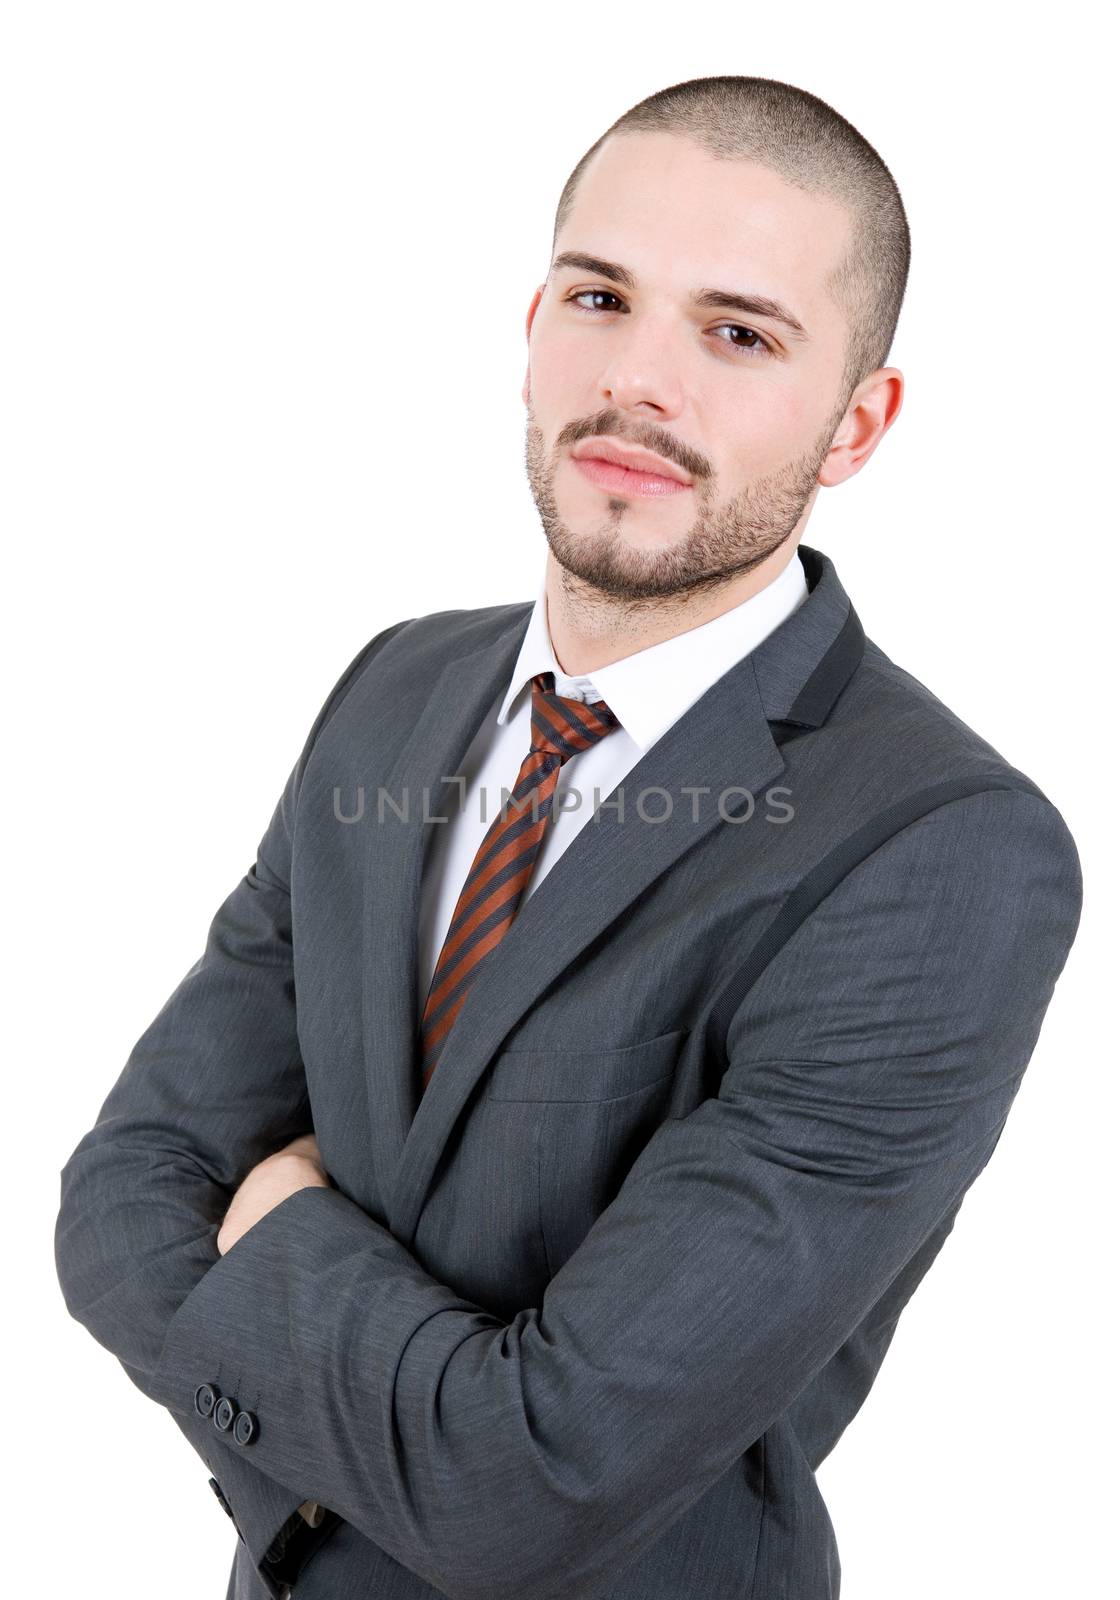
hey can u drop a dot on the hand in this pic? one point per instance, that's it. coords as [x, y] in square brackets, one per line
[297, 1165]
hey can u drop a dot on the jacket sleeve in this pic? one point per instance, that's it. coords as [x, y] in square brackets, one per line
[213, 1085]
[871, 1069]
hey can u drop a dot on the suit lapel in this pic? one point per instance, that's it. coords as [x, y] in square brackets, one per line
[463, 695]
[728, 742]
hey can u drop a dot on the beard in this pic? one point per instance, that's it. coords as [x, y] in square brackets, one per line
[723, 541]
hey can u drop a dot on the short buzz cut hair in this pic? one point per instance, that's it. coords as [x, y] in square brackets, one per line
[813, 147]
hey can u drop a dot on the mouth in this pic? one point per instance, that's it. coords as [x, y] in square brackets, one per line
[628, 471]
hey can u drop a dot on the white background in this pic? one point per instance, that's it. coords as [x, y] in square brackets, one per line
[265, 274]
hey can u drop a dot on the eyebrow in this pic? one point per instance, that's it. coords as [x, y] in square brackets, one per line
[751, 305]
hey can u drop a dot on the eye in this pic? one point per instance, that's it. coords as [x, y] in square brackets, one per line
[758, 347]
[747, 349]
[581, 294]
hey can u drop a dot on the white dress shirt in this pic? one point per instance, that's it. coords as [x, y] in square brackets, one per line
[647, 691]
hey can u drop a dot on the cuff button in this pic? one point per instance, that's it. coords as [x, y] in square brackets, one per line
[222, 1501]
[205, 1399]
[224, 1413]
[245, 1427]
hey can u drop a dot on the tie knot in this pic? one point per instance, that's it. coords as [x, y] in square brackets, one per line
[562, 726]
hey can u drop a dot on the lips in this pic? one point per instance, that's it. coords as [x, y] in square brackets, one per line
[627, 470]
[620, 480]
[632, 459]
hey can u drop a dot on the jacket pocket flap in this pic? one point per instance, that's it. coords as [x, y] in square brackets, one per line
[597, 1074]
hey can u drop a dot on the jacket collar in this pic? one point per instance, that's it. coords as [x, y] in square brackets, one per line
[648, 690]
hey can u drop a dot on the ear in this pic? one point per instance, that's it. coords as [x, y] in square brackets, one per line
[536, 300]
[873, 408]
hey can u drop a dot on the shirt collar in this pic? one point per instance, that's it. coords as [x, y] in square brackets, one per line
[650, 689]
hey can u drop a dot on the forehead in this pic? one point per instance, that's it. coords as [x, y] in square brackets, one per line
[679, 216]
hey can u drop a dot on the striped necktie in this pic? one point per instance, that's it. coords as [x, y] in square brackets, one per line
[504, 862]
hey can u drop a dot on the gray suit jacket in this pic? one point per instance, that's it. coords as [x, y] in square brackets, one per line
[583, 1319]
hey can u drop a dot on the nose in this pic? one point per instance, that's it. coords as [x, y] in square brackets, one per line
[640, 374]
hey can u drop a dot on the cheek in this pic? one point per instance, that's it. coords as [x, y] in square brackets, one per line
[772, 422]
[557, 358]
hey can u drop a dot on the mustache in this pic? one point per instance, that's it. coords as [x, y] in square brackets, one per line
[608, 424]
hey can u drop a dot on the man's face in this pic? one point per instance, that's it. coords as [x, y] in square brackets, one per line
[734, 399]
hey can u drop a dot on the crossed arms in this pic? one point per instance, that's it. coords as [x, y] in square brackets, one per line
[749, 1239]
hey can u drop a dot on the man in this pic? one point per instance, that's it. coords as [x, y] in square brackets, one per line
[519, 1195]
